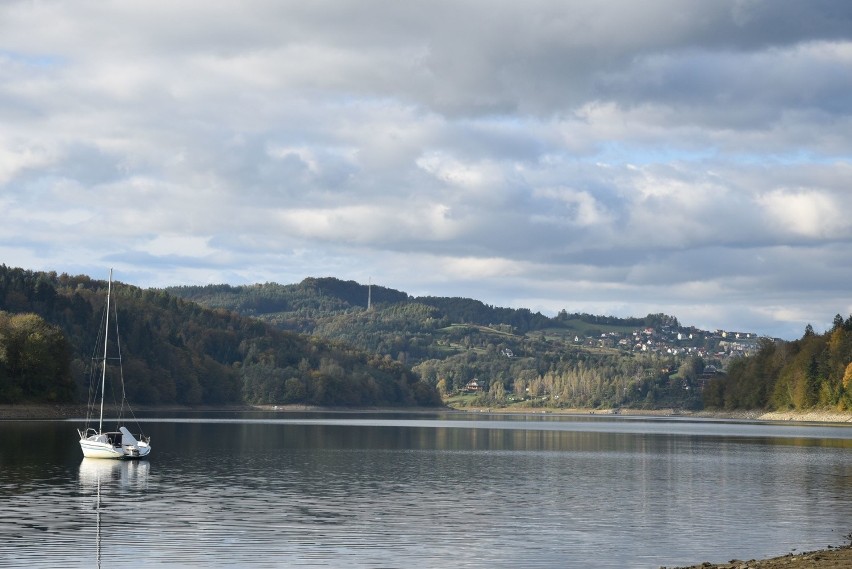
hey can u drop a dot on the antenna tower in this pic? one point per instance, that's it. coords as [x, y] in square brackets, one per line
[370, 293]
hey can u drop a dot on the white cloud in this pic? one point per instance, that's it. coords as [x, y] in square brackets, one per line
[15, 160]
[599, 157]
[475, 269]
[371, 224]
[177, 245]
[809, 213]
[454, 172]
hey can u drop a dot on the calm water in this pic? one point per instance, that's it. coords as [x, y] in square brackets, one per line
[340, 490]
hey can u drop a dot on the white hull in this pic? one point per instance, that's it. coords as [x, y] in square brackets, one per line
[93, 449]
[101, 446]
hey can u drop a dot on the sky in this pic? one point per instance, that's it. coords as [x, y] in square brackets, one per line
[616, 157]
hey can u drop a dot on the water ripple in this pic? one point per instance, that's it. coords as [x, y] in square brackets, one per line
[304, 495]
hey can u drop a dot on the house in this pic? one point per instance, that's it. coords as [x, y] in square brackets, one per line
[472, 386]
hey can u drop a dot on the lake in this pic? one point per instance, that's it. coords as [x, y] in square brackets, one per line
[425, 490]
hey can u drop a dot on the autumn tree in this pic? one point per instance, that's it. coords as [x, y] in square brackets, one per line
[34, 360]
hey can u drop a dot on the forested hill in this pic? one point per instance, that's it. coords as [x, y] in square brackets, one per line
[573, 360]
[175, 351]
[586, 360]
[303, 306]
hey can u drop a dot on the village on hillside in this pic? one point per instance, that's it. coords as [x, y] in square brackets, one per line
[669, 340]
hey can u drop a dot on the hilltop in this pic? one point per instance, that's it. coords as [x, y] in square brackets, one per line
[330, 307]
[178, 352]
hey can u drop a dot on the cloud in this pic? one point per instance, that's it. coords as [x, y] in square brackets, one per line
[809, 213]
[681, 157]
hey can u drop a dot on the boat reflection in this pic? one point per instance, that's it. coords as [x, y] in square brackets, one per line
[108, 481]
[120, 474]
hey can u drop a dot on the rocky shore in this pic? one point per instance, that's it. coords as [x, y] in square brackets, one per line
[831, 558]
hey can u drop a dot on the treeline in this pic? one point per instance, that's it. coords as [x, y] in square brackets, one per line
[299, 306]
[652, 320]
[175, 351]
[291, 307]
[814, 371]
[469, 311]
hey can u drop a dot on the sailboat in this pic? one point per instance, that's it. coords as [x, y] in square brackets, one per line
[118, 444]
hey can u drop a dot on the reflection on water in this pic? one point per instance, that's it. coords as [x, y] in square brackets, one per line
[106, 482]
[117, 476]
[415, 492]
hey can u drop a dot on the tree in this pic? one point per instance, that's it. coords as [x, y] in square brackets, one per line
[35, 360]
[846, 396]
[497, 392]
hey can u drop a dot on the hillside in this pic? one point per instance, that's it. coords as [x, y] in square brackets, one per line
[317, 342]
[486, 355]
[576, 359]
[175, 351]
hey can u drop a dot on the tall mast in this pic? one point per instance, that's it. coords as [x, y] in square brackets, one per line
[106, 334]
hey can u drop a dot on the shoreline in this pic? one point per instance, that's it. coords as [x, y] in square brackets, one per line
[830, 558]
[70, 411]
[810, 416]
[65, 411]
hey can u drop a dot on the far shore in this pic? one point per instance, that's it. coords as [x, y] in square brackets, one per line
[71, 411]
[810, 416]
